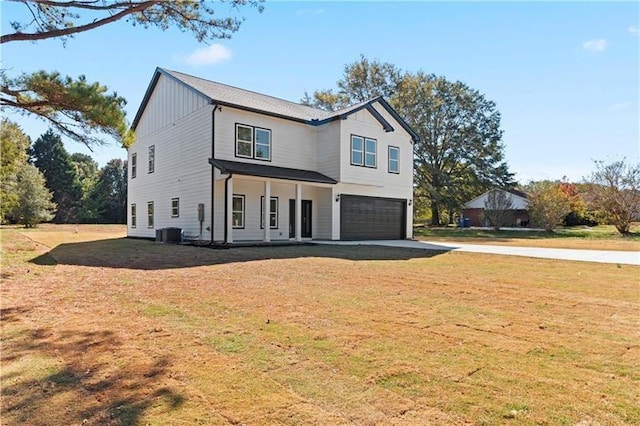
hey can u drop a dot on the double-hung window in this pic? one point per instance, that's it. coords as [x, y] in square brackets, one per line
[134, 164]
[263, 144]
[150, 214]
[133, 215]
[394, 159]
[253, 142]
[175, 207]
[273, 212]
[363, 151]
[152, 158]
[237, 211]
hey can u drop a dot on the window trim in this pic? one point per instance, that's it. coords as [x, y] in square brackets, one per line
[277, 212]
[254, 142]
[397, 161]
[375, 153]
[134, 165]
[175, 211]
[360, 151]
[243, 211]
[364, 152]
[152, 159]
[133, 215]
[150, 215]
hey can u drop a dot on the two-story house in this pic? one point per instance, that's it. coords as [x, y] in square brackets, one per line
[226, 164]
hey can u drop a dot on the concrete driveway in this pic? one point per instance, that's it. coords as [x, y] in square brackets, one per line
[600, 256]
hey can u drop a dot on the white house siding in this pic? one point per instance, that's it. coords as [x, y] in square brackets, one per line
[169, 102]
[328, 149]
[293, 144]
[182, 150]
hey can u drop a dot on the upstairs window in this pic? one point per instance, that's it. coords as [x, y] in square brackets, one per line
[394, 159]
[244, 141]
[363, 151]
[273, 212]
[263, 144]
[253, 142]
[152, 158]
[134, 165]
[175, 207]
[370, 152]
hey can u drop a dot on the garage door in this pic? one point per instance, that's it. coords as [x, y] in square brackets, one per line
[372, 218]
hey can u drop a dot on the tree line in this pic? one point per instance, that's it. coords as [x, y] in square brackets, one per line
[42, 182]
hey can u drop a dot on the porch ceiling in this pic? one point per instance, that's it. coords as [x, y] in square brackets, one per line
[263, 170]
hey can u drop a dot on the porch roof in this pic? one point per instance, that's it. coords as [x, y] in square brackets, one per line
[274, 172]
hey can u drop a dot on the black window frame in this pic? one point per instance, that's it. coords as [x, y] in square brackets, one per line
[243, 211]
[175, 210]
[254, 142]
[397, 161]
[150, 215]
[134, 165]
[277, 212]
[152, 159]
[134, 215]
[364, 152]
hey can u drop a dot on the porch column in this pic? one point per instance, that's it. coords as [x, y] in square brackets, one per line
[266, 209]
[229, 212]
[335, 213]
[298, 212]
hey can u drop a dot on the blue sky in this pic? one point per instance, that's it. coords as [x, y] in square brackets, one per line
[565, 76]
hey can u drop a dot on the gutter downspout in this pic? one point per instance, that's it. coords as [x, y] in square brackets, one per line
[226, 210]
[213, 169]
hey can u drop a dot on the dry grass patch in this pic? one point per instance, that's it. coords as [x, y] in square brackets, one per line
[131, 332]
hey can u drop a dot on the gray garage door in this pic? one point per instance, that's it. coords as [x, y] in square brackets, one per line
[372, 218]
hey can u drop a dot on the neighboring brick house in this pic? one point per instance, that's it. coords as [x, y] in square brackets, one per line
[474, 209]
[226, 164]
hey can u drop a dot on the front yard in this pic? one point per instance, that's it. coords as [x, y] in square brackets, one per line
[97, 329]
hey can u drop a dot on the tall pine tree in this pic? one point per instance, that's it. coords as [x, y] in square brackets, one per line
[52, 159]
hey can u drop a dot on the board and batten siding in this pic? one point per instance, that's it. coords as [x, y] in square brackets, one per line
[182, 149]
[293, 144]
[169, 102]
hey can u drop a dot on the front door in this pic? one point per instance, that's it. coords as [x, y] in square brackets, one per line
[306, 218]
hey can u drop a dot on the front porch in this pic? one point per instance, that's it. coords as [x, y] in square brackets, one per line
[272, 205]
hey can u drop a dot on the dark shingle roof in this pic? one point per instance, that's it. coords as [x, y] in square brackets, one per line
[235, 96]
[222, 94]
[264, 170]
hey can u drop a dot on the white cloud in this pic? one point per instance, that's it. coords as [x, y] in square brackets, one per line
[209, 55]
[633, 30]
[595, 46]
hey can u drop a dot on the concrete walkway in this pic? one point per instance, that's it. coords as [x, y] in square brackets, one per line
[600, 256]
